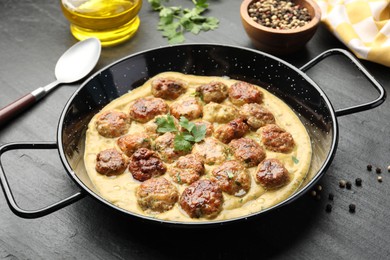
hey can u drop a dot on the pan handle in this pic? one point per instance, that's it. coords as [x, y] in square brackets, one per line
[353, 109]
[8, 193]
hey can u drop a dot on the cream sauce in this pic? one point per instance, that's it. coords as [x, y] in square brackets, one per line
[120, 190]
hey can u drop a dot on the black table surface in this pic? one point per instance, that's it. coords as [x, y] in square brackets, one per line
[33, 35]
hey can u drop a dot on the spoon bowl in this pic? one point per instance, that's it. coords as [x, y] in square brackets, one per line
[72, 66]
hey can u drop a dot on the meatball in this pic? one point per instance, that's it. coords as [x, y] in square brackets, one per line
[276, 139]
[190, 108]
[187, 169]
[132, 142]
[272, 174]
[110, 162]
[145, 164]
[164, 144]
[234, 129]
[157, 195]
[219, 113]
[213, 92]
[145, 109]
[209, 127]
[202, 198]
[112, 123]
[247, 151]
[151, 126]
[256, 115]
[232, 178]
[212, 151]
[167, 88]
[241, 93]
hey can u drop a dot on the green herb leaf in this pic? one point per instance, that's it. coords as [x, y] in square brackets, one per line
[186, 124]
[199, 132]
[165, 125]
[181, 144]
[295, 160]
[230, 174]
[175, 21]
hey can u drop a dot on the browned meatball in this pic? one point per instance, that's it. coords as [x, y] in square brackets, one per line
[234, 129]
[187, 169]
[202, 198]
[132, 142]
[213, 92]
[256, 115]
[241, 93]
[167, 88]
[232, 178]
[112, 123]
[212, 151]
[111, 162]
[145, 109]
[247, 151]
[276, 139]
[190, 108]
[157, 195]
[145, 164]
[209, 127]
[272, 174]
[164, 144]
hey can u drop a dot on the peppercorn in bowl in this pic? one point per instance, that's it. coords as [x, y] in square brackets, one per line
[280, 27]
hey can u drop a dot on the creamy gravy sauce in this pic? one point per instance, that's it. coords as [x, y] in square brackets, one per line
[120, 190]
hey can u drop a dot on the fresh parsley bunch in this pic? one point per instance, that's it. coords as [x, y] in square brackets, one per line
[175, 20]
[183, 139]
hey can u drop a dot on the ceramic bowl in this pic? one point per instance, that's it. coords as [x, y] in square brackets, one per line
[280, 41]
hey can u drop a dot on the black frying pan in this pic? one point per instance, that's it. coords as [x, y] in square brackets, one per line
[287, 82]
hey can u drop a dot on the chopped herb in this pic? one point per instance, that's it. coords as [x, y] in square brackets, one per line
[165, 125]
[181, 144]
[178, 178]
[295, 159]
[175, 20]
[230, 174]
[183, 140]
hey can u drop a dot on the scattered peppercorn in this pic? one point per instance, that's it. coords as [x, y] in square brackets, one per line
[279, 14]
[328, 208]
[358, 182]
[352, 208]
[318, 197]
[369, 167]
[319, 188]
[348, 184]
[331, 196]
[378, 170]
[388, 168]
[380, 178]
[313, 193]
[342, 183]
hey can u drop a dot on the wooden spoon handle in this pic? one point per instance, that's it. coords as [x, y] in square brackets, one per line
[16, 107]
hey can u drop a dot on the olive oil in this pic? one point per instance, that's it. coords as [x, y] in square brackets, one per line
[111, 21]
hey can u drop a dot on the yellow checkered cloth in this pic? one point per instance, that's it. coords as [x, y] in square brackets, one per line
[362, 25]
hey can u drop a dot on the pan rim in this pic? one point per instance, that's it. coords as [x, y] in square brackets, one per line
[321, 171]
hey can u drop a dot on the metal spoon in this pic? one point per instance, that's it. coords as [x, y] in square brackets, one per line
[72, 66]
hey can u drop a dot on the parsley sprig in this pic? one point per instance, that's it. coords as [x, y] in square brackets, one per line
[175, 20]
[184, 140]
